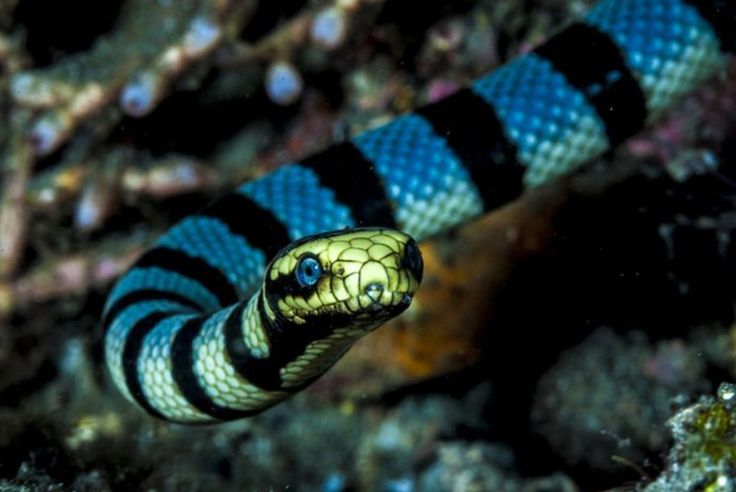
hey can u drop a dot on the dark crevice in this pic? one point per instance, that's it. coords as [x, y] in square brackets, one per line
[56, 29]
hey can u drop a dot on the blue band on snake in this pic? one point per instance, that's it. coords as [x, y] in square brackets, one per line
[247, 302]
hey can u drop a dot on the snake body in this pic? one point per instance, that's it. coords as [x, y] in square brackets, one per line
[194, 333]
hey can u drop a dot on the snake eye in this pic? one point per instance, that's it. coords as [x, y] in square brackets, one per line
[308, 271]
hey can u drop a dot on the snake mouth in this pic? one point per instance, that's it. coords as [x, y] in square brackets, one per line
[363, 312]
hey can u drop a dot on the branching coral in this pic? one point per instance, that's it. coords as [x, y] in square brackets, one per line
[65, 114]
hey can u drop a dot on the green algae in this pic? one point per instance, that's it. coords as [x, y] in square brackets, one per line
[703, 455]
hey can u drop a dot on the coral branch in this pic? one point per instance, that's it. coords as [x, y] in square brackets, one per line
[152, 43]
[16, 163]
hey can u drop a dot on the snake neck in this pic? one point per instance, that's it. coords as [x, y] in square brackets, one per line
[286, 356]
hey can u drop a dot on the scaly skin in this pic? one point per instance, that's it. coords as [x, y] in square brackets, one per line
[180, 337]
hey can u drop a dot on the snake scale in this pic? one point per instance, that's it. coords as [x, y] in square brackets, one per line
[232, 310]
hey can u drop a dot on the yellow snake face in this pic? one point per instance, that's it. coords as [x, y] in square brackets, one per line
[336, 280]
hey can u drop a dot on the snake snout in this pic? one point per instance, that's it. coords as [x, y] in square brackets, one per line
[412, 259]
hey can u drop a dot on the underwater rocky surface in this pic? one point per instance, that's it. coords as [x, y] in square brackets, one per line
[575, 340]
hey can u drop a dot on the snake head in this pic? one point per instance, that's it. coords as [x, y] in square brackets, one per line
[351, 280]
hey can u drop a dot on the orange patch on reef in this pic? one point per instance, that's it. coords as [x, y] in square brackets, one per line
[442, 331]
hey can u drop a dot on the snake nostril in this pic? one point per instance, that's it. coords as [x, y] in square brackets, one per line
[413, 259]
[374, 291]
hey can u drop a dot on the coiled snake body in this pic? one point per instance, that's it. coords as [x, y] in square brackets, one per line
[225, 316]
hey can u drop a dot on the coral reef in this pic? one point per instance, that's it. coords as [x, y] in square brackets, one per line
[73, 112]
[111, 132]
[703, 456]
[477, 467]
[612, 394]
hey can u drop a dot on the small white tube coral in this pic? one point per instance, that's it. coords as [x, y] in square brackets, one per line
[284, 84]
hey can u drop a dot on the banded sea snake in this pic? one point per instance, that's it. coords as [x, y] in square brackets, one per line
[186, 339]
